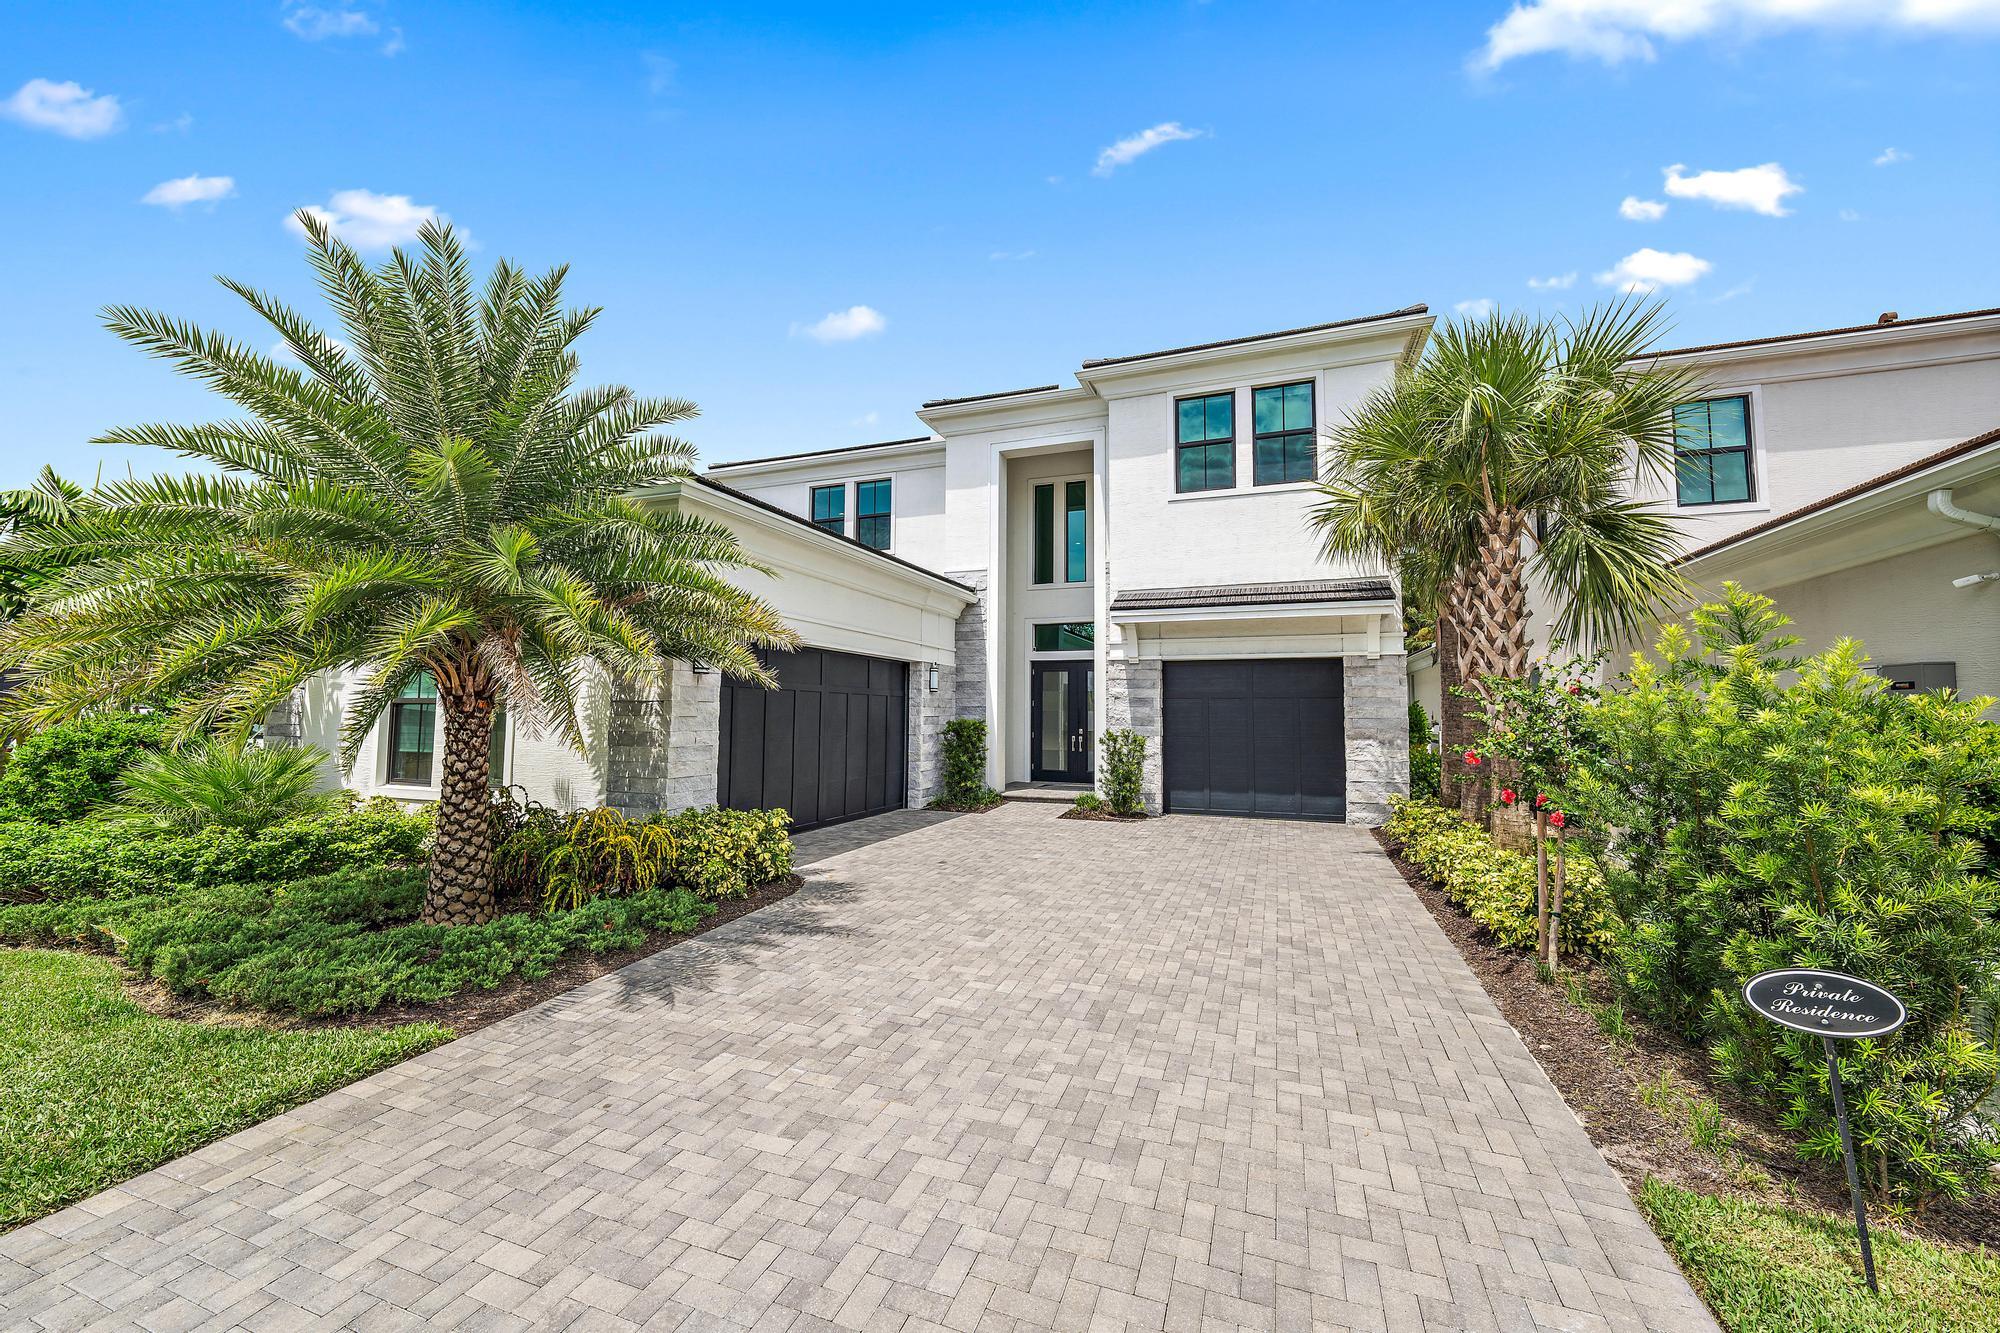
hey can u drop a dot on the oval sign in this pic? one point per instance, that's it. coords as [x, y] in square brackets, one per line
[1831, 1004]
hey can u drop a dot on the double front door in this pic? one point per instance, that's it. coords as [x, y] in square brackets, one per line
[1061, 744]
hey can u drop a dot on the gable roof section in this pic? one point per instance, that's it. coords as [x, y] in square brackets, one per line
[1878, 326]
[1406, 311]
[1964, 448]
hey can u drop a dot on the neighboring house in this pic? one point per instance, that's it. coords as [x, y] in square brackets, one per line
[1846, 473]
[1130, 552]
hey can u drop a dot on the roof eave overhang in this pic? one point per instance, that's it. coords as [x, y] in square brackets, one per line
[1405, 333]
[1144, 615]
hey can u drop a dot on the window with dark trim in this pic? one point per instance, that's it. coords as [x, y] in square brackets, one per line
[1282, 448]
[496, 749]
[829, 508]
[413, 730]
[1071, 637]
[872, 504]
[1712, 457]
[1076, 535]
[1045, 533]
[1205, 443]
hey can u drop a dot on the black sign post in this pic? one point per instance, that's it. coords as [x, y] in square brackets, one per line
[1831, 1005]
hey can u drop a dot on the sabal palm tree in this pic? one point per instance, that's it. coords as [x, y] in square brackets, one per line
[430, 493]
[1512, 451]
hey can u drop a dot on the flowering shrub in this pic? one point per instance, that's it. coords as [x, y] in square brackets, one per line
[1497, 887]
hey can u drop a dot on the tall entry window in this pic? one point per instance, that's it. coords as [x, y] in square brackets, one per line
[829, 509]
[1283, 448]
[413, 731]
[1205, 443]
[1712, 463]
[1066, 546]
[872, 506]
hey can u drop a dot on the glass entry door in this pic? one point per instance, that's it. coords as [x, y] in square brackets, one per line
[1061, 743]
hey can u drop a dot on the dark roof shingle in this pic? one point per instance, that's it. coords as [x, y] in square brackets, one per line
[1303, 592]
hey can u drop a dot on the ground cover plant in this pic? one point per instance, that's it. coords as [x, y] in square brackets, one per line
[94, 1090]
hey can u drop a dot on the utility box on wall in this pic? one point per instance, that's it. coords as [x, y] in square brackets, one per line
[1919, 676]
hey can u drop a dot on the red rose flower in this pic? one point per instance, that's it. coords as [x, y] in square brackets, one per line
[1507, 796]
[1540, 800]
[1472, 758]
[1556, 819]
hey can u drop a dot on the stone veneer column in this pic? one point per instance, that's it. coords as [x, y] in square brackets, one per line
[284, 726]
[1134, 687]
[1377, 694]
[664, 743]
[929, 711]
[969, 675]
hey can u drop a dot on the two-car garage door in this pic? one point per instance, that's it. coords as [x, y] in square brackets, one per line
[1264, 737]
[827, 745]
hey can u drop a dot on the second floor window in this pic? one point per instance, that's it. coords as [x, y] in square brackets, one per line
[1283, 448]
[829, 509]
[1072, 548]
[413, 731]
[872, 505]
[1205, 443]
[1712, 457]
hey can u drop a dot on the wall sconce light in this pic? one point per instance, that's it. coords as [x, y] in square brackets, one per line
[701, 668]
[931, 679]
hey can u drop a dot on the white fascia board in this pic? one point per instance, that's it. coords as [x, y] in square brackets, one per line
[1881, 347]
[1161, 615]
[1026, 409]
[843, 460]
[1397, 339]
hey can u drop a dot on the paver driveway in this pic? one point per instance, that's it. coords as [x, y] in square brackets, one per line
[985, 1072]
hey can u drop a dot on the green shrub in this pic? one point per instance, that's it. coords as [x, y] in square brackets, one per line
[65, 771]
[720, 853]
[87, 858]
[1829, 823]
[340, 944]
[1089, 801]
[965, 765]
[1426, 767]
[1497, 887]
[570, 860]
[249, 787]
[1124, 771]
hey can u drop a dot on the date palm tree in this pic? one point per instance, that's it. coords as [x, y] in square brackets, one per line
[429, 493]
[1509, 453]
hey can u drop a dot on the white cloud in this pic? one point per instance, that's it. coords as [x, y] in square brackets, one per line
[1477, 308]
[180, 124]
[1645, 269]
[1560, 282]
[1889, 157]
[190, 190]
[1634, 209]
[867, 419]
[661, 71]
[1849, 215]
[1614, 31]
[1759, 189]
[841, 326]
[65, 108]
[316, 24]
[1002, 256]
[1138, 145]
[370, 221]
[393, 46]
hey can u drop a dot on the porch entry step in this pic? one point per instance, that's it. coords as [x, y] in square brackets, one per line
[1057, 793]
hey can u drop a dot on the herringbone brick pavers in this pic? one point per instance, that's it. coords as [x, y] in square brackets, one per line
[986, 1072]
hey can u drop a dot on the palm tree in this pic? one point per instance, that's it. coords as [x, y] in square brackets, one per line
[1511, 452]
[429, 494]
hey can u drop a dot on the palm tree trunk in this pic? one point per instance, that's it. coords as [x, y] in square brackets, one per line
[1490, 605]
[460, 889]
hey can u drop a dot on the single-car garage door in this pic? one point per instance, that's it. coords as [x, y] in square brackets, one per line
[1256, 738]
[827, 745]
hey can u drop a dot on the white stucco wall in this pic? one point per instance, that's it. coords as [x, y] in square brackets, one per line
[917, 520]
[1030, 604]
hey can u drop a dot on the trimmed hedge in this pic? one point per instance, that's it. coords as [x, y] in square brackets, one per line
[1497, 887]
[65, 771]
[87, 859]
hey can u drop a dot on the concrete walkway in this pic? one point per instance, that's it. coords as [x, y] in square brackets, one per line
[985, 1072]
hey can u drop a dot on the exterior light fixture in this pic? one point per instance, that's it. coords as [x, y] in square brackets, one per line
[701, 668]
[932, 679]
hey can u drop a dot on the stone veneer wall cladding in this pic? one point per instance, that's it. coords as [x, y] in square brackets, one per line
[664, 743]
[929, 711]
[969, 676]
[1134, 696]
[1377, 694]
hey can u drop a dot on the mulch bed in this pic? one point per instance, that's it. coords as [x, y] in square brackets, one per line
[1101, 816]
[1600, 1080]
[993, 804]
[468, 1011]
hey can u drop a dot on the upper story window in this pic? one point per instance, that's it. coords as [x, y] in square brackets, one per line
[1283, 447]
[1205, 443]
[829, 508]
[872, 505]
[1070, 549]
[1076, 541]
[413, 730]
[1712, 462]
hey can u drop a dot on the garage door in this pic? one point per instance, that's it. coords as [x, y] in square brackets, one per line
[827, 745]
[1255, 738]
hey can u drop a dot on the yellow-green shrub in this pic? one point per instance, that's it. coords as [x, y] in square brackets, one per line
[1497, 887]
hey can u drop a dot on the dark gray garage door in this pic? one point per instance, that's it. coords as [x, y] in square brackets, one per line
[826, 746]
[1256, 738]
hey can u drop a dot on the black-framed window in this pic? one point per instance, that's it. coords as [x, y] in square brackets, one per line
[496, 749]
[413, 730]
[872, 505]
[1045, 533]
[1072, 636]
[829, 508]
[1076, 535]
[1205, 443]
[1713, 460]
[1283, 447]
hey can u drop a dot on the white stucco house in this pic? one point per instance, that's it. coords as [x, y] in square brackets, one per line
[1852, 475]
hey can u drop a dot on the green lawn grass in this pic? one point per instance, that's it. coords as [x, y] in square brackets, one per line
[95, 1090]
[1766, 1269]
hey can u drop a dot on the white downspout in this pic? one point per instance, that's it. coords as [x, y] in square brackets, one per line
[1941, 505]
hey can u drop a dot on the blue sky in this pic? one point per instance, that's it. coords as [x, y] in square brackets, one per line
[724, 180]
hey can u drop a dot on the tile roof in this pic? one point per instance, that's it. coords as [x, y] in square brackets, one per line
[1304, 592]
[1817, 333]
